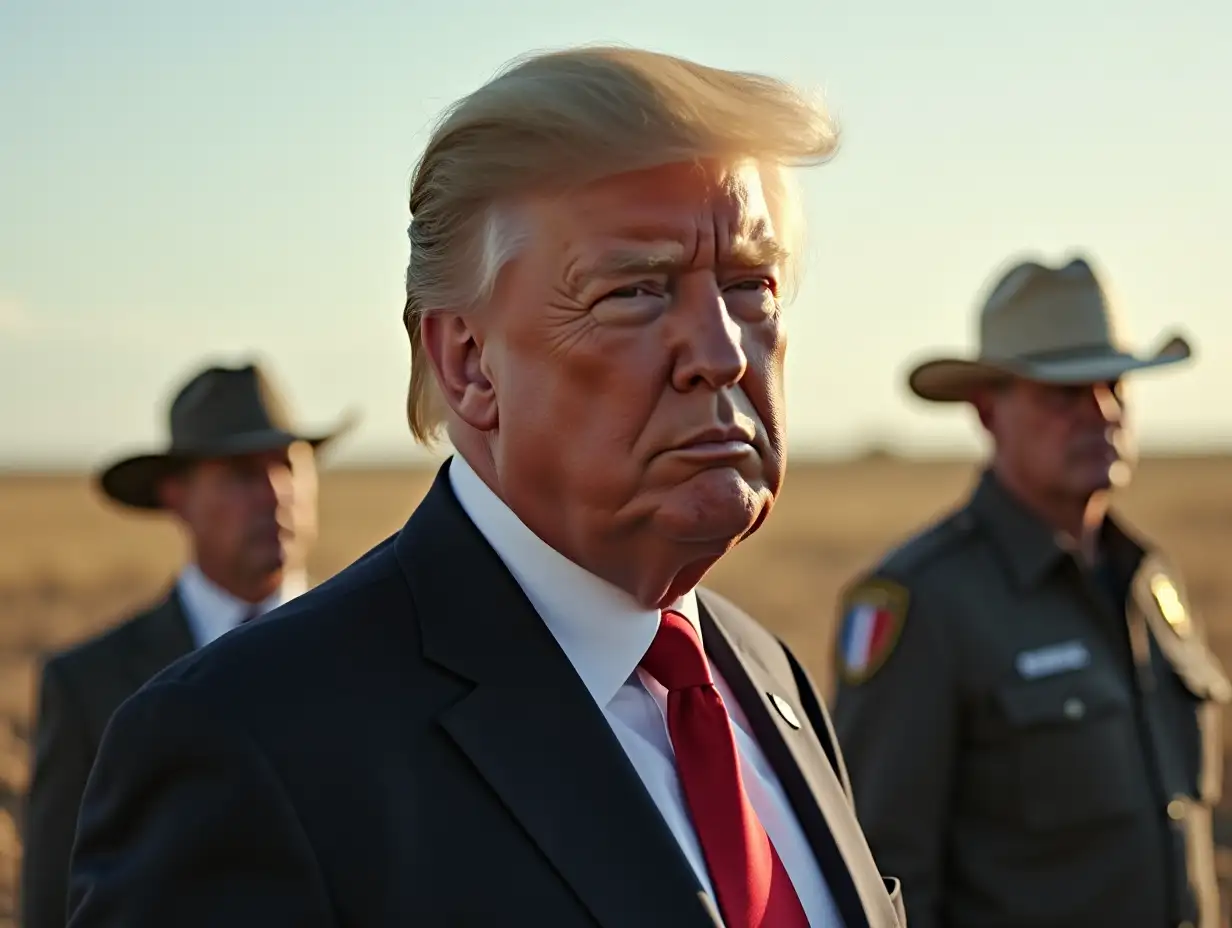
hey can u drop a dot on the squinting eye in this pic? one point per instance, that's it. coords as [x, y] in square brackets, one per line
[756, 283]
[632, 304]
[629, 293]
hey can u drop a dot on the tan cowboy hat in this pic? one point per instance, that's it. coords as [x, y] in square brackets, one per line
[220, 412]
[1050, 325]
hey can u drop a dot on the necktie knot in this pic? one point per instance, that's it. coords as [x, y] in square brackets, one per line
[676, 658]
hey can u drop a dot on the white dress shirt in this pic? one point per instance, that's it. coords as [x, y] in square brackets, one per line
[605, 633]
[211, 611]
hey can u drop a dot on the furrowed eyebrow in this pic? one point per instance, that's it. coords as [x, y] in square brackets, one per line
[761, 252]
[656, 259]
[635, 261]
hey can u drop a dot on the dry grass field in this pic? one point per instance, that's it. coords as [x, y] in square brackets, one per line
[70, 565]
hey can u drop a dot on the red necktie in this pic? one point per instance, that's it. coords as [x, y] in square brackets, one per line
[754, 889]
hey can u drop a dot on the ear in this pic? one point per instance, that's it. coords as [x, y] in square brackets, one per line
[454, 346]
[173, 493]
[985, 408]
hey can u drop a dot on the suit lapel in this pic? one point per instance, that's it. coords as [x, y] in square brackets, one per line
[815, 792]
[162, 638]
[534, 733]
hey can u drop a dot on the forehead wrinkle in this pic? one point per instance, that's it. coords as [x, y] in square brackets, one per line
[750, 233]
[750, 241]
[733, 226]
[744, 189]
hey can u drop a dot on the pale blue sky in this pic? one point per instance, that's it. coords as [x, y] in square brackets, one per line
[186, 179]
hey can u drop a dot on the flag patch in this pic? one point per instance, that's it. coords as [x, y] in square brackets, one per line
[872, 619]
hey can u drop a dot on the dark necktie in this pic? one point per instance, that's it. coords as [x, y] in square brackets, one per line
[753, 888]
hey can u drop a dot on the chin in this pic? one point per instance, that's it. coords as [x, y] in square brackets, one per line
[716, 507]
[1119, 474]
[1102, 478]
[271, 560]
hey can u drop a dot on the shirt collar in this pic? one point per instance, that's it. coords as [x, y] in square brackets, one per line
[212, 611]
[603, 631]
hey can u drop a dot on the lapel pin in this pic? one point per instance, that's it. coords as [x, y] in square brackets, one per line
[785, 710]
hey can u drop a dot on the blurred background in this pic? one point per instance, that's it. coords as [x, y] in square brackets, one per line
[187, 182]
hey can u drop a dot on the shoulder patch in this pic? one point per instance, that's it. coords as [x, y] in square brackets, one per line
[868, 629]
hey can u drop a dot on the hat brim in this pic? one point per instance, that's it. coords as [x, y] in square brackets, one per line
[133, 481]
[955, 380]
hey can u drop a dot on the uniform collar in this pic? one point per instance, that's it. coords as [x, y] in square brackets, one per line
[603, 631]
[1029, 545]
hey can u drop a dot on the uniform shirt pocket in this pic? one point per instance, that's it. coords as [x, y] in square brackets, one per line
[1075, 746]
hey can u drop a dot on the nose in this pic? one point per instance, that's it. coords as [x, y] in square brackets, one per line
[280, 485]
[270, 486]
[1106, 404]
[707, 341]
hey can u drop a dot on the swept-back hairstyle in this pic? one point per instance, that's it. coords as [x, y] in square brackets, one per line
[561, 119]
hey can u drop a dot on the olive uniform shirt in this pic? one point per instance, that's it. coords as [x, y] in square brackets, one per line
[1030, 742]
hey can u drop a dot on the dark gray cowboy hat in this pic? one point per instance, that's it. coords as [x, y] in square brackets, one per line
[1050, 325]
[220, 412]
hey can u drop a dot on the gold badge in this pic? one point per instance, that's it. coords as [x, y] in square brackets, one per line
[1170, 605]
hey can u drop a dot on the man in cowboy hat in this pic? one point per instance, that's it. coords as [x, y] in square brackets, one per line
[1027, 707]
[241, 480]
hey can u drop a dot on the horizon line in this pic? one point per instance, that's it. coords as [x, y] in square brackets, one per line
[424, 460]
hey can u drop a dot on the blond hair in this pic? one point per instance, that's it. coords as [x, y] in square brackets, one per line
[561, 119]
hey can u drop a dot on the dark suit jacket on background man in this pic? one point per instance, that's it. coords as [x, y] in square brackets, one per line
[78, 692]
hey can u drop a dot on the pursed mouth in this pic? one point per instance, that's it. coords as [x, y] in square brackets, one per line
[731, 434]
[717, 449]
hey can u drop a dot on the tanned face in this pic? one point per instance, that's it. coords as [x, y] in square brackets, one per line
[627, 375]
[250, 517]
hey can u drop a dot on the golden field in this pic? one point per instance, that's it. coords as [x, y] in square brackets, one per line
[70, 565]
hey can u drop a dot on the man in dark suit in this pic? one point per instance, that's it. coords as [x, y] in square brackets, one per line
[241, 481]
[521, 709]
